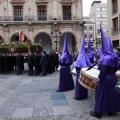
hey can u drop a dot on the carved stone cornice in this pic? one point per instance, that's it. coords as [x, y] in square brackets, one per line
[41, 2]
[66, 2]
[18, 2]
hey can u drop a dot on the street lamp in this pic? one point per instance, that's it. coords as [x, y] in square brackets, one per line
[56, 34]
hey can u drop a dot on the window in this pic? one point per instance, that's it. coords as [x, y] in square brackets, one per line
[42, 13]
[98, 9]
[98, 15]
[103, 16]
[91, 28]
[115, 43]
[98, 30]
[98, 23]
[91, 36]
[115, 25]
[66, 12]
[114, 6]
[18, 13]
[103, 9]
[104, 23]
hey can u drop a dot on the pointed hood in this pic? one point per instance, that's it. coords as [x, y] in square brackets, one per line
[109, 58]
[66, 58]
[65, 50]
[110, 44]
[105, 47]
[82, 59]
[90, 53]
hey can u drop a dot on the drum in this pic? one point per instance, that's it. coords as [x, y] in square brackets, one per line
[118, 74]
[88, 79]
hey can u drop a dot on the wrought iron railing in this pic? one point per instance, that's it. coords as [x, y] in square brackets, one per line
[115, 10]
[32, 18]
[115, 29]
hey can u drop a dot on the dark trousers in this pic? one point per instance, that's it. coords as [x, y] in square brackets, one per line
[30, 69]
[36, 70]
[7, 69]
[44, 70]
[19, 69]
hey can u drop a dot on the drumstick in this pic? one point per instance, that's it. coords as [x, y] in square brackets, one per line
[91, 66]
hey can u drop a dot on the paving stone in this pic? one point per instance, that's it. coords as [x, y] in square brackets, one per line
[14, 85]
[18, 93]
[58, 97]
[62, 110]
[2, 100]
[26, 82]
[43, 111]
[23, 113]
[62, 102]
[7, 110]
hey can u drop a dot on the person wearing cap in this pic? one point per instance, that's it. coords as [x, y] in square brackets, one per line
[65, 81]
[90, 53]
[81, 62]
[107, 98]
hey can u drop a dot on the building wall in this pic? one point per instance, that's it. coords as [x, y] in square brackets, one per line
[114, 33]
[96, 17]
[9, 27]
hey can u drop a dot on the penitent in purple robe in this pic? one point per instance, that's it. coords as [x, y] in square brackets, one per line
[65, 80]
[80, 92]
[81, 62]
[118, 60]
[107, 98]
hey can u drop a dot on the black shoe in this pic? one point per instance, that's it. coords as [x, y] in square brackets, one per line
[17, 73]
[110, 114]
[77, 98]
[94, 114]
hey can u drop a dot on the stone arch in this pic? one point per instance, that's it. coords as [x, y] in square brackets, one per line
[1, 39]
[45, 38]
[71, 41]
[15, 38]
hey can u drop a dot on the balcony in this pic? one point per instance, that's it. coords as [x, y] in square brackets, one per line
[115, 30]
[41, 1]
[115, 10]
[17, 1]
[66, 2]
[35, 19]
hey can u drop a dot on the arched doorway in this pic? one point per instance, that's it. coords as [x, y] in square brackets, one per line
[1, 39]
[46, 40]
[71, 42]
[15, 38]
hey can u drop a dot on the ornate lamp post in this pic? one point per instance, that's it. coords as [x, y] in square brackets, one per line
[56, 35]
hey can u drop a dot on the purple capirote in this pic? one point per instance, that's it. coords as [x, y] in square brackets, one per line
[66, 58]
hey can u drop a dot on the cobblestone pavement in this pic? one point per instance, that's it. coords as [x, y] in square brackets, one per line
[34, 98]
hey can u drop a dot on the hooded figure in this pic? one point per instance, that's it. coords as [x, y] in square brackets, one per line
[66, 81]
[107, 98]
[82, 61]
[90, 53]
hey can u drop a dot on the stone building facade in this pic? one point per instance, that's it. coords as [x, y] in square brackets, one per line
[43, 20]
[114, 21]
